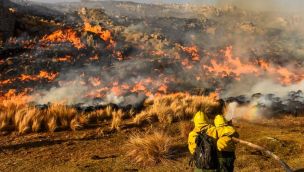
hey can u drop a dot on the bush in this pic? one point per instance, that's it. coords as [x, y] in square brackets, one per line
[150, 149]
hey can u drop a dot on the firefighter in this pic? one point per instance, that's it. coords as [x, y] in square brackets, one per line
[201, 123]
[225, 145]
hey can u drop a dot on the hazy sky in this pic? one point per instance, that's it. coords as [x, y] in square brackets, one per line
[145, 1]
[289, 5]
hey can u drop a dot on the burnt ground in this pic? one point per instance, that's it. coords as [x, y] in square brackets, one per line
[97, 150]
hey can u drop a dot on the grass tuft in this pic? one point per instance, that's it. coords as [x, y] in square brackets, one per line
[150, 149]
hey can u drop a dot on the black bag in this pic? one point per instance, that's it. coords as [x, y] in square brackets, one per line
[205, 155]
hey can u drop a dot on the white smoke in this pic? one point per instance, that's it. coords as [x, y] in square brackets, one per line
[67, 94]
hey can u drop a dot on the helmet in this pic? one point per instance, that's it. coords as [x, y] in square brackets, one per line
[200, 119]
[220, 121]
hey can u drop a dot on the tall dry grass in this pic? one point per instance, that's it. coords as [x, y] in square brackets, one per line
[17, 114]
[175, 107]
[109, 113]
[149, 149]
[185, 127]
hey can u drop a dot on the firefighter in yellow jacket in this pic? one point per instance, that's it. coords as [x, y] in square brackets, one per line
[225, 145]
[201, 123]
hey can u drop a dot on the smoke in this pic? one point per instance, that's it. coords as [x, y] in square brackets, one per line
[69, 94]
[266, 6]
[246, 112]
[165, 50]
[249, 86]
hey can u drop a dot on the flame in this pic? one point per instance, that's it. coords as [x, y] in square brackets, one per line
[95, 57]
[125, 86]
[233, 66]
[66, 58]
[64, 35]
[163, 88]
[140, 87]
[116, 90]
[42, 75]
[186, 64]
[11, 96]
[159, 53]
[230, 66]
[5, 82]
[119, 55]
[12, 10]
[193, 51]
[95, 81]
[103, 33]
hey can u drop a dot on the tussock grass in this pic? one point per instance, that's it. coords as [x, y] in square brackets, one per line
[185, 127]
[175, 107]
[117, 119]
[150, 149]
[15, 115]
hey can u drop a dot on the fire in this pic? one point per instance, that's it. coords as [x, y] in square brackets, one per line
[193, 51]
[94, 57]
[11, 96]
[125, 86]
[233, 66]
[66, 58]
[163, 88]
[12, 10]
[42, 75]
[159, 53]
[186, 64]
[103, 33]
[95, 81]
[49, 76]
[5, 82]
[138, 87]
[64, 35]
[116, 89]
[230, 66]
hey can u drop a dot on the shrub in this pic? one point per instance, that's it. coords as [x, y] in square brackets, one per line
[150, 149]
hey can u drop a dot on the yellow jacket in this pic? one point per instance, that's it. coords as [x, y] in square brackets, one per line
[201, 122]
[224, 133]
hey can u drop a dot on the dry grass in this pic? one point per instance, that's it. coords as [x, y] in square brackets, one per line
[25, 118]
[117, 119]
[149, 149]
[185, 127]
[175, 107]
[20, 116]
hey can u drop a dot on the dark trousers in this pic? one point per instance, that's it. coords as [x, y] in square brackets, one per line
[226, 161]
[203, 170]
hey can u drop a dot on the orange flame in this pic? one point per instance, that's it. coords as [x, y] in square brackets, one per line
[66, 58]
[94, 57]
[95, 81]
[64, 35]
[11, 96]
[193, 51]
[42, 75]
[103, 34]
[233, 66]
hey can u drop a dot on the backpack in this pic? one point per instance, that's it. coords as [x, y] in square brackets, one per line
[205, 155]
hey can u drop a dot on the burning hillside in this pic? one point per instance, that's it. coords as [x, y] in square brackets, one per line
[97, 57]
[127, 78]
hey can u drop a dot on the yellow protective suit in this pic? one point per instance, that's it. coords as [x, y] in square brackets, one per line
[224, 133]
[201, 122]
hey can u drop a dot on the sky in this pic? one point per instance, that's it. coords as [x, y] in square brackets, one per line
[145, 1]
[290, 5]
